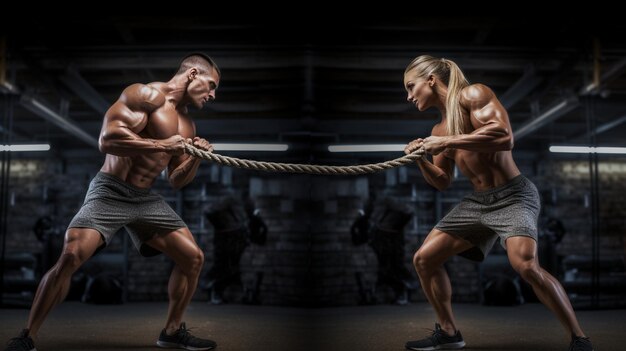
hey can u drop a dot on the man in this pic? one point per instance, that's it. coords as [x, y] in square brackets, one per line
[143, 133]
[475, 134]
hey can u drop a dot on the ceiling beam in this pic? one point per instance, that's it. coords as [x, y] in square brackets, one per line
[372, 107]
[521, 88]
[615, 71]
[248, 106]
[269, 126]
[37, 107]
[556, 110]
[380, 128]
[128, 37]
[79, 86]
[602, 128]
[561, 107]
[254, 60]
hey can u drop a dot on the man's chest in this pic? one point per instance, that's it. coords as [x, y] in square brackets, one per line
[162, 124]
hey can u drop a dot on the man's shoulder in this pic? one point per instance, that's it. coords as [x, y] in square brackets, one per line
[143, 96]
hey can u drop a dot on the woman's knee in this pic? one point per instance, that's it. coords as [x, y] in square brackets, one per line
[195, 261]
[69, 261]
[199, 258]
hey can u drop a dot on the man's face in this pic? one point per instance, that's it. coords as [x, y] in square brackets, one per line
[202, 89]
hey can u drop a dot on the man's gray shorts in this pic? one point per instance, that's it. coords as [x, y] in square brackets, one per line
[111, 204]
[505, 211]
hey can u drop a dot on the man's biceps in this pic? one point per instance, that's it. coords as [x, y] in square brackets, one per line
[126, 119]
[176, 161]
[172, 166]
[114, 128]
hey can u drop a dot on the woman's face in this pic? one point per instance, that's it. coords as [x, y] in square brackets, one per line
[418, 91]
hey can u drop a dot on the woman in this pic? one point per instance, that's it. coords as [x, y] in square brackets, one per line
[475, 135]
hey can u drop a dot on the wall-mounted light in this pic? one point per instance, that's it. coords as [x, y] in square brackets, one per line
[588, 149]
[367, 148]
[249, 147]
[25, 147]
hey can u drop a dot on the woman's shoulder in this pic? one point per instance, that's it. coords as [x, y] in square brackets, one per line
[475, 93]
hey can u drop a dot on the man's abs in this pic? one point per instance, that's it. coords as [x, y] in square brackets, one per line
[140, 171]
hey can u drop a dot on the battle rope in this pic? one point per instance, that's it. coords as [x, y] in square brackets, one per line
[303, 168]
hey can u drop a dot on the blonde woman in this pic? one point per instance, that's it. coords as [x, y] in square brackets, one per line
[475, 135]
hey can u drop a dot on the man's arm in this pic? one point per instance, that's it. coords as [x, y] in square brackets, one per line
[438, 173]
[492, 130]
[182, 169]
[127, 117]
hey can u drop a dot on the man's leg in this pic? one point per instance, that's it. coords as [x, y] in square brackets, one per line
[428, 261]
[181, 247]
[80, 244]
[522, 253]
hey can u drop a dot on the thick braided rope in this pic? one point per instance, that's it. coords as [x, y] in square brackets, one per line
[303, 168]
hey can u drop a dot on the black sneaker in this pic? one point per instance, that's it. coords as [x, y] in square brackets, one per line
[439, 340]
[580, 343]
[182, 339]
[22, 342]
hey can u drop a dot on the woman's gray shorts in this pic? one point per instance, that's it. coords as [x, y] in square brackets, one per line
[111, 204]
[505, 211]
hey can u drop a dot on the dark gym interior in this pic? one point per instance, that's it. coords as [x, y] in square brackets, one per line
[300, 261]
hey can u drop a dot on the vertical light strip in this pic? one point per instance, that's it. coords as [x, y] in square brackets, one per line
[3, 60]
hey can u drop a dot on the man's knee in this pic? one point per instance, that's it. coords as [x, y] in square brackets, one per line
[422, 264]
[529, 271]
[73, 255]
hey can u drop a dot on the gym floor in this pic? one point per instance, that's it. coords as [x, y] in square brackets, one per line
[135, 326]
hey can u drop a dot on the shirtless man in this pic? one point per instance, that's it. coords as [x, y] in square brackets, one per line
[143, 133]
[475, 134]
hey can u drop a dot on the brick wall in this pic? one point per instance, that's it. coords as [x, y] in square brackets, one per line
[285, 259]
[567, 183]
[335, 259]
[309, 258]
[38, 188]
[407, 185]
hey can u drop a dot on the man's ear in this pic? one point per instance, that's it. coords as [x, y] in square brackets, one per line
[193, 72]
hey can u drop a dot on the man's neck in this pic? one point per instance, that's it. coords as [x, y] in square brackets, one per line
[174, 90]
